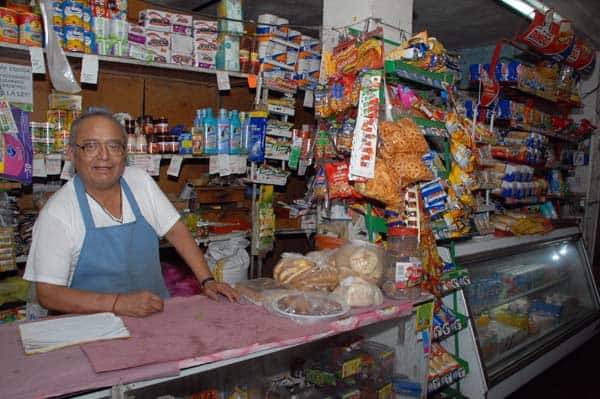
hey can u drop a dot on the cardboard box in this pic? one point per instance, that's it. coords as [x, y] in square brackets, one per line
[182, 44]
[158, 40]
[181, 58]
[136, 34]
[155, 20]
[206, 41]
[161, 55]
[205, 58]
[182, 20]
[202, 25]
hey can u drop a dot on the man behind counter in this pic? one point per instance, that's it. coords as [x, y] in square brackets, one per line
[95, 242]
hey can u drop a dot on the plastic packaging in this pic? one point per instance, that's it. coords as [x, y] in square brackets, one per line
[61, 74]
[210, 133]
[257, 132]
[358, 293]
[307, 307]
[223, 132]
[255, 290]
[229, 260]
[360, 259]
[403, 271]
[235, 133]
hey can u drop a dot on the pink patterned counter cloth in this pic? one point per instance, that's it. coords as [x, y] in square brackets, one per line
[196, 330]
[191, 331]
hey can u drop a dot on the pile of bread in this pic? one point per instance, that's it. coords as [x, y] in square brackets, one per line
[353, 272]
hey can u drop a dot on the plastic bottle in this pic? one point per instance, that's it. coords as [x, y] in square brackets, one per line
[198, 133]
[245, 136]
[235, 133]
[210, 132]
[223, 132]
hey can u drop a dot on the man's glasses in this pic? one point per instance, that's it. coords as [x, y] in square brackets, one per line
[92, 148]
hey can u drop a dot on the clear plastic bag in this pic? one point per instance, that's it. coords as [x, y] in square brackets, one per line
[257, 289]
[359, 293]
[306, 274]
[360, 259]
[306, 307]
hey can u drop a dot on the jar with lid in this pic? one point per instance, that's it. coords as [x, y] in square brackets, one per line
[148, 125]
[141, 144]
[403, 271]
[173, 146]
[153, 147]
[161, 125]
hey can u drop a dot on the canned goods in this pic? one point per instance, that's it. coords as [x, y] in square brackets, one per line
[30, 29]
[73, 40]
[9, 30]
[42, 137]
[73, 13]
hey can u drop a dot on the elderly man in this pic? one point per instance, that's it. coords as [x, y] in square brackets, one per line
[95, 243]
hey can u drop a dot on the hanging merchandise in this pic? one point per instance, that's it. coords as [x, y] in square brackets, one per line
[264, 226]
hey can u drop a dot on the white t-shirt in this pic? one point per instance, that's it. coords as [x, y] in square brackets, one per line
[59, 230]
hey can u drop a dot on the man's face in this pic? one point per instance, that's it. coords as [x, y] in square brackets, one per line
[101, 168]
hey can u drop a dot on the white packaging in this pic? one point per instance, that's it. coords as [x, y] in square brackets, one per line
[181, 58]
[139, 52]
[101, 27]
[266, 24]
[182, 44]
[158, 40]
[205, 58]
[207, 41]
[155, 20]
[136, 35]
[160, 55]
[118, 30]
[202, 25]
[231, 9]
[228, 55]
[182, 20]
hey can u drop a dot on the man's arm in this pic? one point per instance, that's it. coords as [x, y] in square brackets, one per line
[71, 300]
[180, 237]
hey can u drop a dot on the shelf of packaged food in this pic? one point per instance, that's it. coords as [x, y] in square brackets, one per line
[566, 196]
[273, 86]
[278, 157]
[20, 50]
[280, 133]
[280, 110]
[431, 128]
[439, 382]
[449, 329]
[401, 69]
[545, 132]
[477, 310]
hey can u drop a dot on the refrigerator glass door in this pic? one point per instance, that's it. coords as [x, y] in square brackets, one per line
[525, 301]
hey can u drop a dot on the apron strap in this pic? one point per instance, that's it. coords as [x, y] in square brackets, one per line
[132, 202]
[84, 205]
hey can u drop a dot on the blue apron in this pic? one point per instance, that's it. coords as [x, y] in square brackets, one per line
[118, 259]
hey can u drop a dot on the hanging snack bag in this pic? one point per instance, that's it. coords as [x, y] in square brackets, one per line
[337, 180]
[546, 36]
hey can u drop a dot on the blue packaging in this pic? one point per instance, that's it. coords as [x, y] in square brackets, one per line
[210, 133]
[223, 132]
[245, 139]
[235, 133]
[257, 132]
[185, 144]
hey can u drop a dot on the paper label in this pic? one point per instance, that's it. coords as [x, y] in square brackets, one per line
[237, 164]
[154, 167]
[351, 367]
[89, 69]
[67, 171]
[175, 166]
[223, 164]
[309, 98]
[7, 121]
[53, 164]
[39, 167]
[16, 83]
[364, 142]
[37, 60]
[252, 81]
[223, 81]
[213, 165]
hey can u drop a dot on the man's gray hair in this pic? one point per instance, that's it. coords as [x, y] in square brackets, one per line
[94, 112]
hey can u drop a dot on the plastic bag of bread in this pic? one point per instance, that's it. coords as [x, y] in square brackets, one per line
[360, 259]
[357, 292]
[323, 258]
[255, 290]
[300, 272]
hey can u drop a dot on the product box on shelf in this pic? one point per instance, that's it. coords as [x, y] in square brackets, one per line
[136, 34]
[182, 44]
[161, 55]
[202, 25]
[228, 55]
[67, 102]
[205, 58]
[181, 24]
[155, 20]
[232, 10]
[181, 58]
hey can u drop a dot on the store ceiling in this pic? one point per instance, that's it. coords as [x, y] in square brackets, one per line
[457, 23]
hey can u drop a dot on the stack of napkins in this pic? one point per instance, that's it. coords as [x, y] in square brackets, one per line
[47, 335]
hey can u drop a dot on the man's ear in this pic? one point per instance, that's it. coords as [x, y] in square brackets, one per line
[70, 153]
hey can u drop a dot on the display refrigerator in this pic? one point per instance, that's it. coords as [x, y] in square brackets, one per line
[531, 301]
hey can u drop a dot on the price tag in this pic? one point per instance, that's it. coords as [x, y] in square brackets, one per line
[153, 168]
[37, 60]
[89, 69]
[252, 81]
[39, 167]
[7, 121]
[237, 164]
[309, 99]
[175, 166]
[424, 316]
[53, 163]
[67, 171]
[213, 165]
[351, 367]
[223, 162]
[223, 81]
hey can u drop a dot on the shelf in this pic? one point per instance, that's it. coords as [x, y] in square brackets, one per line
[286, 232]
[479, 309]
[17, 49]
[447, 330]
[211, 238]
[280, 110]
[431, 128]
[437, 80]
[437, 383]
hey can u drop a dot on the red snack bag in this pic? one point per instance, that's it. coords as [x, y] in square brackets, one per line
[337, 180]
[583, 57]
[548, 37]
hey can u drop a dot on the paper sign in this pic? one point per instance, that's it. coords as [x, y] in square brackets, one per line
[53, 163]
[213, 165]
[237, 164]
[223, 162]
[223, 80]
[16, 84]
[252, 81]
[37, 60]
[39, 167]
[175, 166]
[67, 171]
[89, 69]
[153, 167]
[309, 98]
[7, 121]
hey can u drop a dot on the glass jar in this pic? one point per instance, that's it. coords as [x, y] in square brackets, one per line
[153, 144]
[403, 271]
[161, 125]
[148, 126]
[141, 144]
[173, 144]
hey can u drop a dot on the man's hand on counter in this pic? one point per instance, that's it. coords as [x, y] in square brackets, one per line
[212, 289]
[138, 304]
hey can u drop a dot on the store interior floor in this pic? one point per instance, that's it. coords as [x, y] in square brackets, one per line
[575, 376]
